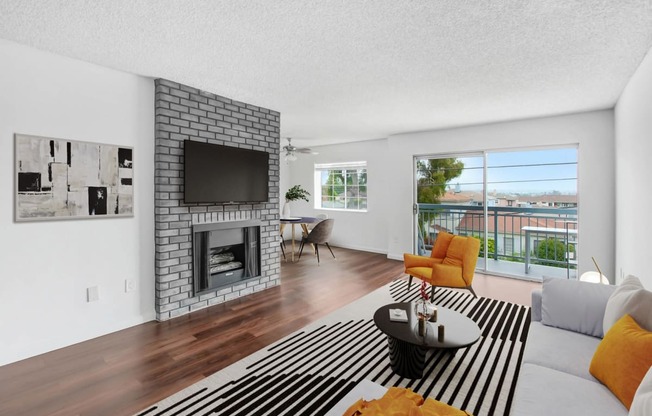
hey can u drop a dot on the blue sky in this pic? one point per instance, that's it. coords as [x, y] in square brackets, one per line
[532, 171]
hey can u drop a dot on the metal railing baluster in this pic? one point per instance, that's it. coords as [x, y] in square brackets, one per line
[469, 220]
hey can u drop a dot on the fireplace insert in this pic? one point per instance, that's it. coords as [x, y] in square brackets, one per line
[225, 254]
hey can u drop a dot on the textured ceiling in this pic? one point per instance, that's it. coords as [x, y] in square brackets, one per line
[355, 70]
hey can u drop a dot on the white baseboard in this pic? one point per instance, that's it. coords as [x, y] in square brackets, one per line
[360, 248]
[390, 256]
[395, 256]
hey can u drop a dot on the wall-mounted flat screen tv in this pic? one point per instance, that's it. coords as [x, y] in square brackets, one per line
[224, 174]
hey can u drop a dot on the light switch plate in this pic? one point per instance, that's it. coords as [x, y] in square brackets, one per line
[130, 285]
[92, 294]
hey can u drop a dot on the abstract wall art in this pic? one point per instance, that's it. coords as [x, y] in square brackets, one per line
[68, 179]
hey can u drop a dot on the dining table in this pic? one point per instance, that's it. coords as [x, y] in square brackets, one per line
[293, 221]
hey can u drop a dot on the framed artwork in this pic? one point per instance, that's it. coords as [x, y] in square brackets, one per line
[68, 179]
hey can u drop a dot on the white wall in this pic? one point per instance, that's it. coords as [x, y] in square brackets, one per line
[633, 171]
[47, 266]
[387, 227]
[284, 178]
[594, 132]
[348, 225]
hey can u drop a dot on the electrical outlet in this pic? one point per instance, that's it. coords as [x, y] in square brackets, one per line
[130, 285]
[92, 294]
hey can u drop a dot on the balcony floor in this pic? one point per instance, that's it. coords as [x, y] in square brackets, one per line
[517, 270]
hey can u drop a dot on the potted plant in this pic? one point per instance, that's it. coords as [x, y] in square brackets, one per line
[294, 194]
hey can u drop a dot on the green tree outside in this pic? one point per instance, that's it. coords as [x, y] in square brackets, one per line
[344, 188]
[490, 242]
[433, 176]
[555, 250]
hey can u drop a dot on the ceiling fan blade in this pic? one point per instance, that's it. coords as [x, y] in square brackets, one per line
[290, 149]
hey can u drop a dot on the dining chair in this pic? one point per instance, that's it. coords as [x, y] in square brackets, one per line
[319, 235]
[320, 217]
[282, 244]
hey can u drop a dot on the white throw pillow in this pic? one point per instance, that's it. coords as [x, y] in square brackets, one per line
[574, 305]
[642, 403]
[629, 298]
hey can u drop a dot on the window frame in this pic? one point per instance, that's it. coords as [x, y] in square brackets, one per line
[356, 167]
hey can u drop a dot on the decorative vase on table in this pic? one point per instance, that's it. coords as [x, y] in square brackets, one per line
[286, 210]
[294, 194]
[424, 310]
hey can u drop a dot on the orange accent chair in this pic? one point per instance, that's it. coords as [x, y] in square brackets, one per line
[451, 263]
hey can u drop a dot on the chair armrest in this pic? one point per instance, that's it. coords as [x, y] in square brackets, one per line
[448, 276]
[536, 305]
[412, 260]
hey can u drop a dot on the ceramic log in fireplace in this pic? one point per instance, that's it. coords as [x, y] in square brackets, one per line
[225, 254]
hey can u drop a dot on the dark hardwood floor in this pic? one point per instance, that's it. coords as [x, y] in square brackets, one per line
[127, 371]
[124, 372]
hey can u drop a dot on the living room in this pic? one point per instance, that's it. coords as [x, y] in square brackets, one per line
[49, 265]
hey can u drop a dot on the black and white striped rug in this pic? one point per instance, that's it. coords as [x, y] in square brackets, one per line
[309, 371]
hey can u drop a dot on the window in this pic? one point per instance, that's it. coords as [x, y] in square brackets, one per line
[341, 186]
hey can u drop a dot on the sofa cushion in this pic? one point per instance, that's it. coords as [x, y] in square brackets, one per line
[561, 350]
[629, 298]
[622, 358]
[542, 391]
[642, 404]
[574, 305]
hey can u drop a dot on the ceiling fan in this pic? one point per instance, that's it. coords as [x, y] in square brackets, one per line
[291, 151]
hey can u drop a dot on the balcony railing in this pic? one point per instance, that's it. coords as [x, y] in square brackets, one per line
[549, 234]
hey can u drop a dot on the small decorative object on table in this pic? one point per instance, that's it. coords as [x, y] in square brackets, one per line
[294, 194]
[424, 309]
[398, 315]
[433, 317]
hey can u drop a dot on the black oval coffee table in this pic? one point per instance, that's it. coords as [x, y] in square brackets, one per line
[407, 349]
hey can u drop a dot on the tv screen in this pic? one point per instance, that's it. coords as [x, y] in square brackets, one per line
[215, 173]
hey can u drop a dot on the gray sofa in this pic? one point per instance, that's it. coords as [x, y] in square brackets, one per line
[566, 329]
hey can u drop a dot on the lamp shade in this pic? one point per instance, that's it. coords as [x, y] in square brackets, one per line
[594, 277]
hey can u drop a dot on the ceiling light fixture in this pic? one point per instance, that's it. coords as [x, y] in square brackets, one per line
[291, 151]
[290, 157]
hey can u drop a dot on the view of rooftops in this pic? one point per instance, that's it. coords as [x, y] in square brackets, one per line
[522, 205]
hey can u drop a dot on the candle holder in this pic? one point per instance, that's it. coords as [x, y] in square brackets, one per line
[433, 316]
[422, 327]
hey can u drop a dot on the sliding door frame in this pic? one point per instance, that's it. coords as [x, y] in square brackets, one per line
[484, 154]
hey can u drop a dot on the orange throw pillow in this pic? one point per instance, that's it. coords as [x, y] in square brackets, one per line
[622, 358]
[432, 407]
[399, 401]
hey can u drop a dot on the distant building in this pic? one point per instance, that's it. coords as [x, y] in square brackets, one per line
[504, 227]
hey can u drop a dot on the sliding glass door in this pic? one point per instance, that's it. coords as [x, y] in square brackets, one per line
[449, 191]
[532, 212]
[521, 204]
